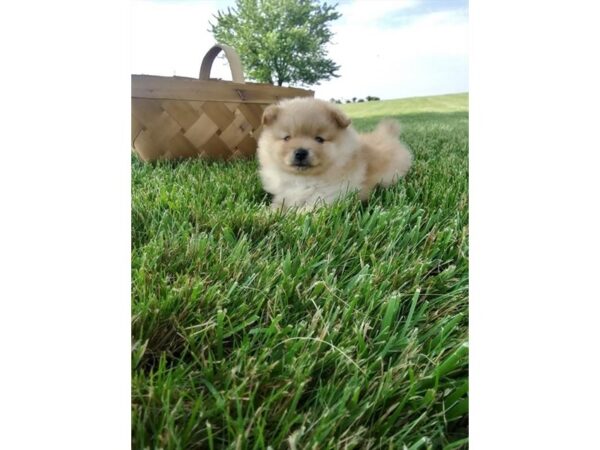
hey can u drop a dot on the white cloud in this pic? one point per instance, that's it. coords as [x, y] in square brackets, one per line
[170, 38]
[429, 55]
[382, 47]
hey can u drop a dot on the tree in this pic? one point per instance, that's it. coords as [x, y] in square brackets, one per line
[280, 41]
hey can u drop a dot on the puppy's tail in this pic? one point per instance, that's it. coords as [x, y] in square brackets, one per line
[389, 127]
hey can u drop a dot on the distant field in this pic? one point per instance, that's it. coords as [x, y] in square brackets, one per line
[439, 104]
[346, 328]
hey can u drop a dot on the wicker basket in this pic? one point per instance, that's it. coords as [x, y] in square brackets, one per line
[177, 117]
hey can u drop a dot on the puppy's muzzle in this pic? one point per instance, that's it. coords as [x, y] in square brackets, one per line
[300, 157]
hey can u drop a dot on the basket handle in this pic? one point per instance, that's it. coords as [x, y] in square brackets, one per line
[235, 64]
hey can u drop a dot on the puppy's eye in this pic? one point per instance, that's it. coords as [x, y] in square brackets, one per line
[287, 138]
[319, 139]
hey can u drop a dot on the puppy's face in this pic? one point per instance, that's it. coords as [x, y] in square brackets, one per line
[304, 136]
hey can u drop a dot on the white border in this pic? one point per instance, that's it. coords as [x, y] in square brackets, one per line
[534, 225]
[65, 245]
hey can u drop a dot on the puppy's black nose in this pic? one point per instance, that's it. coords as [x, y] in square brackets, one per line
[300, 154]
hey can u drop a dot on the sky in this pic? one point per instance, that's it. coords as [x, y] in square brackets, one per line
[386, 48]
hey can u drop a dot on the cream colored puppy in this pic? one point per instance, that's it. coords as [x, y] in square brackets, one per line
[310, 155]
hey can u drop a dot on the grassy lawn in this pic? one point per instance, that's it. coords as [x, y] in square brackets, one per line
[346, 328]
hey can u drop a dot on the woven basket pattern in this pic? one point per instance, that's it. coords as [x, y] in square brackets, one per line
[178, 117]
[178, 128]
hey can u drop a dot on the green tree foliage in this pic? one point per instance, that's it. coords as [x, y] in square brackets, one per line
[280, 41]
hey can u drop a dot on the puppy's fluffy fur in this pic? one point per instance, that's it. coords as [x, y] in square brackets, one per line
[309, 154]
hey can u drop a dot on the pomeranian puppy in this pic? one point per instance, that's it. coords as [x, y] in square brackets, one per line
[309, 154]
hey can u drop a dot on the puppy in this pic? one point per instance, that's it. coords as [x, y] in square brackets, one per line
[309, 154]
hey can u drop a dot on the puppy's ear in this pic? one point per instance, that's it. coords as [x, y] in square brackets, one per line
[270, 114]
[342, 120]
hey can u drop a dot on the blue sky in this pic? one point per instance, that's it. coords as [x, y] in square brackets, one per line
[387, 48]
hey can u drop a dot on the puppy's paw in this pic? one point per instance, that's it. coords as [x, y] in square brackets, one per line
[274, 207]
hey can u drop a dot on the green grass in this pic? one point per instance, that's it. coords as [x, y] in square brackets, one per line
[439, 103]
[346, 328]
